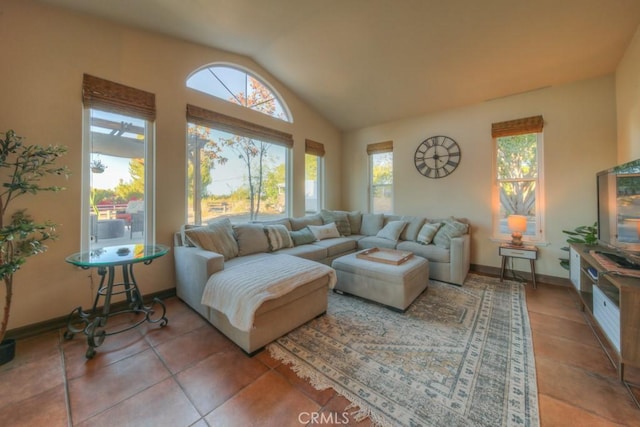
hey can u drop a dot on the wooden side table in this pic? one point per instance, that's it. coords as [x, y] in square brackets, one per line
[521, 252]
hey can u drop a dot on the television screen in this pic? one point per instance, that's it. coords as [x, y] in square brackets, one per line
[619, 207]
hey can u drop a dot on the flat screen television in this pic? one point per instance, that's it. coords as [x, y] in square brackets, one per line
[619, 211]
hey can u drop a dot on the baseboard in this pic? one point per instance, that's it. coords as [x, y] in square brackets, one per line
[61, 322]
[540, 278]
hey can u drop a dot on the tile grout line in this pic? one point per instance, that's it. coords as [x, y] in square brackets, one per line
[67, 396]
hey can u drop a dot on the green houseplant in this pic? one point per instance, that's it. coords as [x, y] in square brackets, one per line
[587, 234]
[23, 167]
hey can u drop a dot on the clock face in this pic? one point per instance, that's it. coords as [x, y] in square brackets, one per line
[437, 156]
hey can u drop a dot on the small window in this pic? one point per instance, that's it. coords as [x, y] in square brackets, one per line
[239, 87]
[313, 176]
[118, 144]
[518, 186]
[381, 177]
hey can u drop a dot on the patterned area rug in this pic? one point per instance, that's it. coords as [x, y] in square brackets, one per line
[459, 356]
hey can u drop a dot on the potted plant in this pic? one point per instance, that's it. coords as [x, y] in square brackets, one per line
[587, 234]
[20, 235]
[97, 166]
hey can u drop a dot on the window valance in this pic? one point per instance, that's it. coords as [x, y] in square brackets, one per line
[203, 117]
[380, 147]
[117, 98]
[532, 124]
[314, 148]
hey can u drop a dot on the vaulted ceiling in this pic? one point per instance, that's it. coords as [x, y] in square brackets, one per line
[363, 62]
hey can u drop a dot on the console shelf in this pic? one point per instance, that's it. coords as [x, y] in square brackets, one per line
[611, 297]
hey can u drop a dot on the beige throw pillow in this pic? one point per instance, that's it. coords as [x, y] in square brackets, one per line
[216, 237]
[278, 236]
[425, 236]
[392, 230]
[327, 231]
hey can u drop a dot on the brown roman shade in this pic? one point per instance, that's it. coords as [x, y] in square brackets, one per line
[117, 98]
[517, 127]
[380, 147]
[314, 148]
[203, 117]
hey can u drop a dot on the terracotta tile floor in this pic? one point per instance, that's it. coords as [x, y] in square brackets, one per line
[188, 374]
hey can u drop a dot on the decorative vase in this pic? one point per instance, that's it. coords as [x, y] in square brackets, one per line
[7, 350]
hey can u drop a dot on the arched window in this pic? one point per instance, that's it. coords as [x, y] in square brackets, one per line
[239, 87]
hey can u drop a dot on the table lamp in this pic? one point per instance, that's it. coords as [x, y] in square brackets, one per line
[517, 224]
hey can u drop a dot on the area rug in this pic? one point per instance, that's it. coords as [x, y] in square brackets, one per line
[459, 356]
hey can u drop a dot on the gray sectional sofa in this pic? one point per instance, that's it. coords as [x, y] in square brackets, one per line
[322, 238]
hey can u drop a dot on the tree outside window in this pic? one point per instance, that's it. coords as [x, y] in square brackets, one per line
[518, 174]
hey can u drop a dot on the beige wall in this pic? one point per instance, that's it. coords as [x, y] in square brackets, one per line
[628, 102]
[45, 52]
[579, 140]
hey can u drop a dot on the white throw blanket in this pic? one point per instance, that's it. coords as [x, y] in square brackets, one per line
[239, 291]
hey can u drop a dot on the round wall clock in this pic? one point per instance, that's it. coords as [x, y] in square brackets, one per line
[437, 156]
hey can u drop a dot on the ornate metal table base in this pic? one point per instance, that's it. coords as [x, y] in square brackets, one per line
[93, 322]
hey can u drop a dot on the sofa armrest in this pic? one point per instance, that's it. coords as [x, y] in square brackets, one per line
[194, 266]
[460, 257]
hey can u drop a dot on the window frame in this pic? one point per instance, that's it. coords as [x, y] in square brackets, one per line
[319, 187]
[540, 236]
[248, 73]
[371, 185]
[197, 209]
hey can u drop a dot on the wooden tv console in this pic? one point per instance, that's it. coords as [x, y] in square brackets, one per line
[611, 296]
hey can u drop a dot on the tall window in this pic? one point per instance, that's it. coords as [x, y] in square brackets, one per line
[518, 186]
[381, 177]
[313, 176]
[239, 87]
[118, 151]
[236, 169]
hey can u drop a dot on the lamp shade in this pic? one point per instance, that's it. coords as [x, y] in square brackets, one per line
[517, 223]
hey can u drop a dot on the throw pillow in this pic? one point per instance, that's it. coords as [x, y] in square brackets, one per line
[355, 221]
[217, 237]
[450, 229]
[251, 239]
[412, 229]
[278, 236]
[392, 230]
[340, 218]
[371, 224]
[427, 232]
[301, 222]
[302, 237]
[326, 231]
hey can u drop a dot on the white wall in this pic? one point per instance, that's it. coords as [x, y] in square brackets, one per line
[628, 102]
[45, 52]
[579, 140]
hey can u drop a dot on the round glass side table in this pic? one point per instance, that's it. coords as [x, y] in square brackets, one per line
[93, 322]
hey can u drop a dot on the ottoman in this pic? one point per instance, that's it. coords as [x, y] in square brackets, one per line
[395, 286]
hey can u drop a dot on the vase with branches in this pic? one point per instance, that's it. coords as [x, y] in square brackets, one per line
[21, 236]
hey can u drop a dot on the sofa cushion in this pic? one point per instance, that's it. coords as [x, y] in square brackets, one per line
[450, 228]
[327, 231]
[376, 242]
[216, 237]
[251, 239]
[387, 218]
[278, 237]
[301, 222]
[392, 230]
[340, 218]
[310, 252]
[371, 224]
[302, 237]
[427, 232]
[431, 252]
[414, 224]
[355, 221]
[337, 246]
